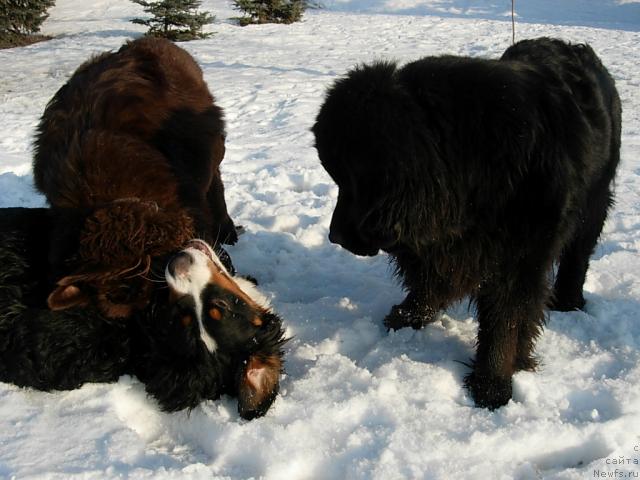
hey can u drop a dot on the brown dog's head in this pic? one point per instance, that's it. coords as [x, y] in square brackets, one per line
[117, 245]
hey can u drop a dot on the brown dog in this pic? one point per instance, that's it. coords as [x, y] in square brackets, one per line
[128, 154]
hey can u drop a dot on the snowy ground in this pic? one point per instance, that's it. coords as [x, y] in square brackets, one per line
[356, 402]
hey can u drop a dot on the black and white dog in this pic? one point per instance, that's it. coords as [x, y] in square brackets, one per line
[211, 333]
[208, 334]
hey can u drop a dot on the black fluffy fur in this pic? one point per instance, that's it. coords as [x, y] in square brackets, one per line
[40, 348]
[177, 369]
[475, 175]
[62, 350]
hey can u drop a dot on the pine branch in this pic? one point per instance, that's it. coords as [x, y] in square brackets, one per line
[175, 19]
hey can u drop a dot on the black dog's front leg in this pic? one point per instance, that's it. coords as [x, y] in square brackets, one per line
[428, 294]
[414, 312]
[510, 316]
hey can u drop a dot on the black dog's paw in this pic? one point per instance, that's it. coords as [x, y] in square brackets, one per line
[565, 303]
[402, 316]
[489, 391]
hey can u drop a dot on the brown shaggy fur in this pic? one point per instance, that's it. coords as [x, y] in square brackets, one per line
[128, 154]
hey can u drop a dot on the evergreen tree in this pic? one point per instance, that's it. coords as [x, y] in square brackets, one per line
[23, 17]
[271, 11]
[177, 20]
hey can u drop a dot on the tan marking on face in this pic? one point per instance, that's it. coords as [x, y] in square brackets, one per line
[225, 282]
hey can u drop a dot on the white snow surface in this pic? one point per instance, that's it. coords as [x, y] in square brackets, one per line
[356, 402]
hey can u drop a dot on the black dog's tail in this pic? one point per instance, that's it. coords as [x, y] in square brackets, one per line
[610, 97]
[576, 64]
[580, 68]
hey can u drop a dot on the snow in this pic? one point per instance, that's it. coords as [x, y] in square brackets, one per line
[356, 401]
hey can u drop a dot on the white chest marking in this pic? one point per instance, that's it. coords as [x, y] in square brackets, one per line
[193, 283]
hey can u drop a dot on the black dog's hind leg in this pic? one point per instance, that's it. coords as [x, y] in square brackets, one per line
[574, 261]
[511, 315]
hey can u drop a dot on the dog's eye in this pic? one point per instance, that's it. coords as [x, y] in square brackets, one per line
[217, 308]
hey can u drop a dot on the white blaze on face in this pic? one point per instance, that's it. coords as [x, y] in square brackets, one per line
[245, 285]
[192, 282]
[206, 268]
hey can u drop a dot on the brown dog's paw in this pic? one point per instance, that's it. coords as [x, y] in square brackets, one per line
[489, 391]
[229, 233]
[225, 259]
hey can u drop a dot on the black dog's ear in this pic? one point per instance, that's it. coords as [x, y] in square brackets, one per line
[258, 384]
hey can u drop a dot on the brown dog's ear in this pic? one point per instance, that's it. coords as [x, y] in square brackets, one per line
[67, 295]
[258, 385]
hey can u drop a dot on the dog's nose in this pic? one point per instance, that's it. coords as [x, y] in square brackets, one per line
[180, 264]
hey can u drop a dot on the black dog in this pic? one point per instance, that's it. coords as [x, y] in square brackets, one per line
[38, 347]
[476, 175]
[182, 356]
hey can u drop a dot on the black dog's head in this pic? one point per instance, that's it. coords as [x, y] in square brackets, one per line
[364, 135]
[212, 334]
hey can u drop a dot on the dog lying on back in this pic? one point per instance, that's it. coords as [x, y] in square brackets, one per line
[208, 334]
[128, 154]
[476, 175]
[214, 323]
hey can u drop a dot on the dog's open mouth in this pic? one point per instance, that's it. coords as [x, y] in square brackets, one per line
[201, 246]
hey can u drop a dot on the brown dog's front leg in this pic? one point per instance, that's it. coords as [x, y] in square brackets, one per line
[224, 230]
